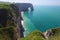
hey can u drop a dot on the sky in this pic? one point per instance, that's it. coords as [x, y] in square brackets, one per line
[36, 2]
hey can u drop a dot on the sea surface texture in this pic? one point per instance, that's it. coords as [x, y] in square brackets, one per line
[42, 18]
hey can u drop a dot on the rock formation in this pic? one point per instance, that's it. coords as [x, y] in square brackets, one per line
[19, 7]
[8, 23]
[3, 17]
[24, 6]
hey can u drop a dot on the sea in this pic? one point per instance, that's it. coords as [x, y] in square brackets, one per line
[42, 18]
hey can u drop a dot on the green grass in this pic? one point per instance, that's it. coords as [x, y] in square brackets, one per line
[36, 35]
[56, 36]
[6, 33]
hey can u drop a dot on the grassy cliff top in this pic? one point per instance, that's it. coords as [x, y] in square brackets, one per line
[37, 35]
[56, 36]
[6, 33]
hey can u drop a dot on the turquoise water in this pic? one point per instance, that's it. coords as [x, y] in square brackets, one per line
[42, 18]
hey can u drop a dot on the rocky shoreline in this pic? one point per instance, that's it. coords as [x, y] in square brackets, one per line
[50, 32]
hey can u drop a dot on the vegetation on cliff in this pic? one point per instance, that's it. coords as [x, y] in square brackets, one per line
[56, 36]
[37, 35]
[7, 32]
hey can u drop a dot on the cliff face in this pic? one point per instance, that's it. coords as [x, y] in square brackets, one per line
[8, 23]
[56, 35]
[37, 35]
[24, 6]
[3, 17]
[18, 20]
[19, 7]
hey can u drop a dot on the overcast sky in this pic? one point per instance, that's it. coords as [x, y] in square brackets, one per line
[36, 2]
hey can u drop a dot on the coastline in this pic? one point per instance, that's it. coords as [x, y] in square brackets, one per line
[51, 31]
